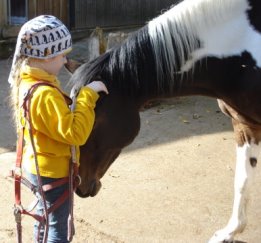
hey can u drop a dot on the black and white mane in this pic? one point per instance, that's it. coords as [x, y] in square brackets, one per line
[172, 43]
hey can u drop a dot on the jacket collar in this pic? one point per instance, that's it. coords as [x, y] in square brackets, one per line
[32, 74]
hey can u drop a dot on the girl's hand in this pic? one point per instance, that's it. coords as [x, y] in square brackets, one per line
[98, 86]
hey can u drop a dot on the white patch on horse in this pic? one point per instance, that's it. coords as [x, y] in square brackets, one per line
[222, 27]
[244, 177]
[232, 38]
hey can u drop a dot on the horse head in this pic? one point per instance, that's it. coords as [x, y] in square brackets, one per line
[116, 125]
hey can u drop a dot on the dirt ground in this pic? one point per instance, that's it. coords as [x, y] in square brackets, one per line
[173, 184]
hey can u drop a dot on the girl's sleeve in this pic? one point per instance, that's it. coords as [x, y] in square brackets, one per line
[51, 115]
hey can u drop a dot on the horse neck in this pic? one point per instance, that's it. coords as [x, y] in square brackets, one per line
[212, 77]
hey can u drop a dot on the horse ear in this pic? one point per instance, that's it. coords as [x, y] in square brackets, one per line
[72, 65]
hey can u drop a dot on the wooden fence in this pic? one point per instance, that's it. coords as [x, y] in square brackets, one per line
[58, 8]
[87, 14]
[84, 14]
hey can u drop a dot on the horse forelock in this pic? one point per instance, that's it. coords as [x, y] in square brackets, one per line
[88, 71]
[127, 66]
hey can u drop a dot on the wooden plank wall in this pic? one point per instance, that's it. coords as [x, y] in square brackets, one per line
[116, 13]
[3, 12]
[58, 8]
[89, 14]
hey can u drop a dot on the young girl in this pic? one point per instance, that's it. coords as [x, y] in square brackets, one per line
[42, 45]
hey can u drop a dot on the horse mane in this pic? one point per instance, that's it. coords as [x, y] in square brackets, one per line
[159, 50]
[182, 27]
[122, 66]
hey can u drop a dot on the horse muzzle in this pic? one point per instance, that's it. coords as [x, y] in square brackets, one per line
[89, 189]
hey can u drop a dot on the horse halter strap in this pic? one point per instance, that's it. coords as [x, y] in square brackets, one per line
[73, 178]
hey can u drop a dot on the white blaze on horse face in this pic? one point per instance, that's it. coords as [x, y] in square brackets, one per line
[244, 177]
[222, 28]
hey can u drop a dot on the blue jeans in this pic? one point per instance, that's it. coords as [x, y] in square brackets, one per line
[58, 218]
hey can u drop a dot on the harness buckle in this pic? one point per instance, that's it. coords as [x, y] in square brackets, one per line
[77, 180]
[18, 214]
[17, 172]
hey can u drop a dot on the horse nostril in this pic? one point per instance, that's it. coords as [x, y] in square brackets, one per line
[95, 187]
[80, 194]
[92, 187]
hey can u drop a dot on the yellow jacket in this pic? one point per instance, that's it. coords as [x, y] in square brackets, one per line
[55, 127]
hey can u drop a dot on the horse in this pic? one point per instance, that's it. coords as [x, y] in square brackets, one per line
[197, 47]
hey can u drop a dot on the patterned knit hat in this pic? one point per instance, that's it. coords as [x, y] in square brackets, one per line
[42, 37]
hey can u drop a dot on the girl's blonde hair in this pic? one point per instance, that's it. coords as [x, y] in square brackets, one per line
[14, 94]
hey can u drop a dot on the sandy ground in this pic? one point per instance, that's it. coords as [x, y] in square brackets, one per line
[173, 184]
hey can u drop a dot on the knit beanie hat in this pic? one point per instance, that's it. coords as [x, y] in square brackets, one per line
[42, 37]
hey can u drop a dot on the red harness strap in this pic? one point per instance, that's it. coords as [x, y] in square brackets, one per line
[18, 179]
[18, 172]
